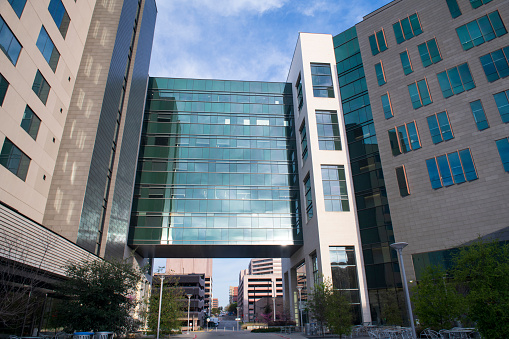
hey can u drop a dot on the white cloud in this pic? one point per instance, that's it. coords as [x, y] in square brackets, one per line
[226, 7]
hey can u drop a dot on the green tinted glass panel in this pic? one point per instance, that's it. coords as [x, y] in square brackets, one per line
[466, 77]
[416, 25]
[393, 140]
[434, 130]
[386, 105]
[405, 62]
[373, 45]
[489, 68]
[12, 158]
[464, 36]
[503, 150]
[413, 135]
[500, 61]
[414, 96]
[445, 171]
[402, 182]
[468, 164]
[454, 78]
[456, 168]
[434, 176]
[425, 57]
[407, 29]
[424, 92]
[30, 122]
[445, 86]
[3, 88]
[445, 127]
[380, 74]
[476, 3]
[433, 51]
[381, 40]
[398, 32]
[486, 29]
[403, 139]
[497, 23]
[479, 115]
[502, 105]
[453, 8]
[475, 33]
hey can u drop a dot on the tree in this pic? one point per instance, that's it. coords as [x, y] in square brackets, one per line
[101, 296]
[338, 312]
[317, 302]
[215, 311]
[389, 308]
[172, 306]
[436, 301]
[232, 308]
[483, 269]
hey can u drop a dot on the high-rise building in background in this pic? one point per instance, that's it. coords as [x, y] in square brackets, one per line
[232, 294]
[215, 303]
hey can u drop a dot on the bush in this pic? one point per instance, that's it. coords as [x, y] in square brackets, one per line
[266, 330]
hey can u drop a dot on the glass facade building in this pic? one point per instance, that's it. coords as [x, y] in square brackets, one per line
[217, 169]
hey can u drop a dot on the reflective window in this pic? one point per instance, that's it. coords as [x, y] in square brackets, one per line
[300, 98]
[304, 141]
[479, 116]
[440, 127]
[335, 193]
[57, 10]
[41, 87]
[380, 75]
[3, 88]
[12, 158]
[17, 6]
[407, 28]
[316, 273]
[485, 28]
[377, 42]
[8, 42]
[503, 150]
[344, 275]
[452, 168]
[309, 197]
[419, 94]
[48, 49]
[30, 122]
[387, 107]
[406, 63]
[478, 3]
[328, 131]
[456, 80]
[402, 181]
[429, 52]
[453, 8]
[322, 80]
[502, 101]
[495, 64]
[404, 138]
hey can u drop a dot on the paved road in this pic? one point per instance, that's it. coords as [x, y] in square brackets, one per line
[238, 335]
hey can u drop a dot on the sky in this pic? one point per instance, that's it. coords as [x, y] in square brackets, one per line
[241, 40]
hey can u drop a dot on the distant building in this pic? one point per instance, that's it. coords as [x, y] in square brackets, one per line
[215, 303]
[233, 293]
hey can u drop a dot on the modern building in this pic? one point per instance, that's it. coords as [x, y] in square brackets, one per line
[215, 303]
[259, 284]
[232, 294]
[73, 78]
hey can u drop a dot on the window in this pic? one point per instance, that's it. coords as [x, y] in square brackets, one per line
[380, 75]
[386, 105]
[430, 54]
[405, 62]
[322, 81]
[402, 181]
[407, 28]
[419, 93]
[57, 10]
[8, 42]
[316, 275]
[41, 87]
[453, 8]
[501, 99]
[404, 138]
[440, 127]
[17, 6]
[478, 3]
[485, 28]
[328, 131]
[3, 88]
[303, 141]
[503, 150]
[453, 168]
[300, 98]
[30, 122]
[309, 198]
[344, 274]
[335, 193]
[12, 158]
[495, 64]
[455, 80]
[48, 49]
[377, 42]
[479, 115]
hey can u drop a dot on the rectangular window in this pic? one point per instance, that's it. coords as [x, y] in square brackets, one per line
[335, 194]
[322, 80]
[309, 197]
[344, 274]
[479, 115]
[430, 54]
[12, 158]
[316, 275]
[41, 87]
[454, 9]
[495, 64]
[300, 98]
[455, 80]
[478, 3]
[30, 122]
[485, 28]
[406, 63]
[380, 75]
[8, 42]
[419, 93]
[502, 101]
[407, 28]
[17, 6]
[404, 138]
[402, 181]
[304, 141]
[3, 88]
[503, 150]
[48, 49]
[386, 105]
[57, 10]
[377, 42]
[328, 131]
[440, 127]
[452, 168]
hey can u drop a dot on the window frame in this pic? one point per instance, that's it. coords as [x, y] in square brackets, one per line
[380, 73]
[399, 28]
[41, 91]
[395, 137]
[303, 142]
[451, 176]
[6, 160]
[418, 84]
[439, 125]
[472, 39]
[409, 62]
[336, 139]
[450, 80]
[384, 105]
[402, 180]
[498, 67]
[479, 124]
[374, 40]
[432, 59]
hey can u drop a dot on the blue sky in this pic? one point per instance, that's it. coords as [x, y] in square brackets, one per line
[242, 40]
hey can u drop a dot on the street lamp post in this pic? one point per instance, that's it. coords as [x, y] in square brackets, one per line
[188, 308]
[160, 302]
[398, 246]
[274, 300]
[237, 318]
[300, 306]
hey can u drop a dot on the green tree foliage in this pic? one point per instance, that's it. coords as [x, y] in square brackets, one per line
[101, 296]
[316, 304]
[215, 311]
[232, 308]
[437, 303]
[483, 268]
[390, 308]
[172, 307]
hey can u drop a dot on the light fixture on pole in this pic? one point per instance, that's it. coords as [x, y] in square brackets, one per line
[274, 299]
[300, 306]
[188, 308]
[237, 319]
[399, 246]
[160, 301]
